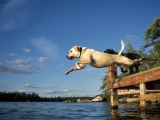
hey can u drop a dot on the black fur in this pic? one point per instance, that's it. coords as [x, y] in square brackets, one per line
[131, 56]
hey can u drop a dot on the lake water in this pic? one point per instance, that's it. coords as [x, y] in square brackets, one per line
[75, 111]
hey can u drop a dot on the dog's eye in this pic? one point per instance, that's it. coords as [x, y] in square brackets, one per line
[70, 51]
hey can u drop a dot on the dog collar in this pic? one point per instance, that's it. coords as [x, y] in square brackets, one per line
[80, 50]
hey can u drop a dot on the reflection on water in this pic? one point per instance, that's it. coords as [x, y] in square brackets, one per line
[131, 111]
[76, 111]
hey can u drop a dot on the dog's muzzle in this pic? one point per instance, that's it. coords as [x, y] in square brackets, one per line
[70, 58]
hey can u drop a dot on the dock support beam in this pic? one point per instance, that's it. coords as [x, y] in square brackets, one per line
[142, 92]
[114, 98]
[112, 75]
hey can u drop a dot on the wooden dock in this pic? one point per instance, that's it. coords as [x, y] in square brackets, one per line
[147, 81]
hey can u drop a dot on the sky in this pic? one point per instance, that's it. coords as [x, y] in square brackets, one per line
[36, 35]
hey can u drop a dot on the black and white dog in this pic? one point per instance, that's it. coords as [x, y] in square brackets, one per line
[131, 56]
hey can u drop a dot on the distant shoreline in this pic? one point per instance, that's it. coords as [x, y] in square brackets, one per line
[33, 97]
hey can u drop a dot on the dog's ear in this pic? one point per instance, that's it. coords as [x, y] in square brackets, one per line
[77, 48]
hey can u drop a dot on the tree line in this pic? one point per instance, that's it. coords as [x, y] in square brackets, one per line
[33, 97]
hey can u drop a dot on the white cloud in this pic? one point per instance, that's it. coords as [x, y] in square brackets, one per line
[18, 61]
[26, 50]
[62, 65]
[58, 91]
[3, 87]
[47, 47]
[42, 59]
[132, 39]
[28, 86]
[21, 66]
[12, 54]
[13, 14]
[65, 92]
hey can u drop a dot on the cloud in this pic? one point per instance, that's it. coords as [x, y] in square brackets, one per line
[28, 86]
[22, 91]
[58, 91]
[42, 59]
[62, 65]
[23, 65]
[13, 14]
[46, 46]
[93, 71]
[19, 61]
[20, 66]
[12, 54]
[26, 50]
[3, 87]
[65, 92]
[130, 39]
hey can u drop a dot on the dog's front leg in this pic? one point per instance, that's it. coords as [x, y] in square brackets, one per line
[84, 62]
[70, 70]
[77, 67]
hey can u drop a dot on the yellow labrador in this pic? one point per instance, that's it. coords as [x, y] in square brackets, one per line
[98, 59]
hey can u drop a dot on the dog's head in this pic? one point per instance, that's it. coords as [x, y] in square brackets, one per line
[74, 52]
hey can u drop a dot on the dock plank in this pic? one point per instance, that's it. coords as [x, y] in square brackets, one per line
[141, 77]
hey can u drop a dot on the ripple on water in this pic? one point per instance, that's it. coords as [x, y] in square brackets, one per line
[75, 111]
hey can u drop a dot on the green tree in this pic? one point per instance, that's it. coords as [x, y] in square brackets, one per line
[103, 87]
[152, 41]
[152, 33]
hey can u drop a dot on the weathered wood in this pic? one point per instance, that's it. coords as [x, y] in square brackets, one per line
[114, 98]
[142, 77]
[112, 75]
[142, 92]
[137, 92]
[149, 76]
[147, 97]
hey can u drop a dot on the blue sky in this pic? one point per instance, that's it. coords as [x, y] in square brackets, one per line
[36, 35]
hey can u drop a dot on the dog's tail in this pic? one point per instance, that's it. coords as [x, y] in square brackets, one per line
[122, 48]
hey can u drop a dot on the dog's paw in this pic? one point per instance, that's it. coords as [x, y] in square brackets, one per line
[138, 60]
[66, 73]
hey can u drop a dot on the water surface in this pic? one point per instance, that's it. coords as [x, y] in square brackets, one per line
[75, 111]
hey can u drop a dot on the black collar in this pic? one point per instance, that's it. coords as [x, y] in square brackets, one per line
[80, 50]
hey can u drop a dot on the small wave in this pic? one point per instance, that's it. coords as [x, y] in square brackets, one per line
[75, 111]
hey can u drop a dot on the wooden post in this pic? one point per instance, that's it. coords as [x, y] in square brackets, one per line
[142, 92]
[114, 98]
[112, 75]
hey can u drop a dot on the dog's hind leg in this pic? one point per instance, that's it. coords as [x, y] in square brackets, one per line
[122, 48]
[138, 60]
[130, 62]
[123, 71]
[136, 67]
[131, 70]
